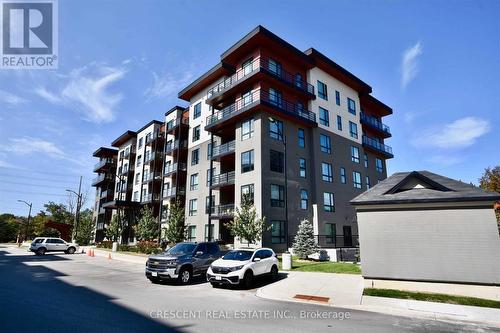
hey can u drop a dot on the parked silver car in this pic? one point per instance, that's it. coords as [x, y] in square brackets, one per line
[41, 245]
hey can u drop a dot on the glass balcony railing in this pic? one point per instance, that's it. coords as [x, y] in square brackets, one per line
[374, 122]
[174, 123]
[223, 179]
[150, 197]
[223, 149]
[262, 97]
[374, 144]
[103, 162]
[147, 177]
[222, 210]
[153, 136]
[172, 192]
[172, 168]
[261, 64]
[153, 156]
[173, 145]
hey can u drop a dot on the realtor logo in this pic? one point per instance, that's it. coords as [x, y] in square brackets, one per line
[29, 34]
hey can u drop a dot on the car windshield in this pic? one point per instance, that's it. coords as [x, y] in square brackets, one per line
[238, 255]
[182, 248]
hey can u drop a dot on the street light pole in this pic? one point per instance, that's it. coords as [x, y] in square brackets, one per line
[78, 206]
[30, 205]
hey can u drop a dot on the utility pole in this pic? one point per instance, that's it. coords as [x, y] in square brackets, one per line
[30, 205]
[78, 206]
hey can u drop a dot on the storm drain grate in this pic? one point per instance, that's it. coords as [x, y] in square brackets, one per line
[312, 298]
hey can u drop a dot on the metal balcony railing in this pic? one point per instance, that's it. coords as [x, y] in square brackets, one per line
[266, 65]
[172, 192]
[371, 142]
[262, 97]
[223, 179]
[223, 149]
[374, 122]
[172, 168]
[222, 210]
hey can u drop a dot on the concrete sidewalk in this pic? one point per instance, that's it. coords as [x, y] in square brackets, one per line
[346, 291]
[138, 259]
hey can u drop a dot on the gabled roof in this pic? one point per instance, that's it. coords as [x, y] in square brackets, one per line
[422, 187]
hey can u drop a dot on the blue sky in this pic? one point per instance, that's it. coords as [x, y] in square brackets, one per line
[121, 64]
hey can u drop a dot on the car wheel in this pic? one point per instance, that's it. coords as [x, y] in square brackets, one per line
[274, 273]
[41, 251]
[247, 279]
[71, 250]
[184, 276]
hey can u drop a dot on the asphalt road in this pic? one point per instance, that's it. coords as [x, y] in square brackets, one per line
[76, 293]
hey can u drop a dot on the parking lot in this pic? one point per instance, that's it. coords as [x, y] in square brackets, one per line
[76, 293]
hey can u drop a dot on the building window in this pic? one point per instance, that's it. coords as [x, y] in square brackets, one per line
[322, 90]
[298, 80]
[139, 160]
[247, 66]
[278, 234]
[136, 196]
[197, 110]
[248, 192]
[209, 151]
[302, 138]
[195, 156]
[276, 129]
[140, 142]
[343, 178]
[276, 160]
[339, 123]
[379, 164]
[366, 160]
[247, 129]
[207, 238]
[274, 67]
[246, 98]
[367, 181]
[210, 175]
[277, 196]
[208, 204]
[325, 145]
[302, 167]
[193, 207]
[326, 172]
[137, 178]
[351, 106]
[356, 179]
[191, 233]
[353, 130]
[275, 97]
[328, 202]
[247, 161]
[330, 233]
[355, 154]
[324, 117]
[304, 198]
[194, 182]
[337, 97]
[196, 133]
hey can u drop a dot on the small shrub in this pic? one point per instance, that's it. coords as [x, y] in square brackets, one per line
[105, 244]
[148, 247]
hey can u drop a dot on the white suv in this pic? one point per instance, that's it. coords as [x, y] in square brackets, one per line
[241, 266]
[41, 245]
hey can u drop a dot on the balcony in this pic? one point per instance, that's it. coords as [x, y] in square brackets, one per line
[146, 198]
[223, 179]
[273, 103]
[171, 169]
[174, 123]
[223, 149]
[101, 179]
[124, 171]
[377, 147]
[222, 211]
[108, 194]
[153, 156]
[153, 137]
[260, 65]
[104, 163]
[375, 124]
[149, 177]
[169, 193]
[171, 147]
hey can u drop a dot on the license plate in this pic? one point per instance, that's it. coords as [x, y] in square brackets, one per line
[154, 274]
[218, 278]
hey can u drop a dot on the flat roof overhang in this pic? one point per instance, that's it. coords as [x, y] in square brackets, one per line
[115, 204]
[373, 105]
[105, 152]
[205, 80]
[123, 138]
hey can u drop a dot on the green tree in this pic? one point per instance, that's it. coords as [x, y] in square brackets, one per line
[245, 224]
[85, 228]
[147, 226]
[114, 229]
[9, 228]
[59, 212]
[490, 181]
[304, 243]
[175, 230]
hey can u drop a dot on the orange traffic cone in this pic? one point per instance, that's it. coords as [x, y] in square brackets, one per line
[88, 252]
[109, 256]
[92, 253]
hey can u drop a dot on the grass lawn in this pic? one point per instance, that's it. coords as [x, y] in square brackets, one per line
[324, 266]
[430, 297]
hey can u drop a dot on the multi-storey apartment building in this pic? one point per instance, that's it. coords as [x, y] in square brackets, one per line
[293, 130]
[105, 190]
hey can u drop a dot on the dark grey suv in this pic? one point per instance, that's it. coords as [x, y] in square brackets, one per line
[182, 261]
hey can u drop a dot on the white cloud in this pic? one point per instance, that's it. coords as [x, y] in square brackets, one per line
[168, 84]
[446, 160]
[460, 133]
[11, 99]
[409, 65]
[86, 88]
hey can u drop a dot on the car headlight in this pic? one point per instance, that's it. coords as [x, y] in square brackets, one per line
[236, 268]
